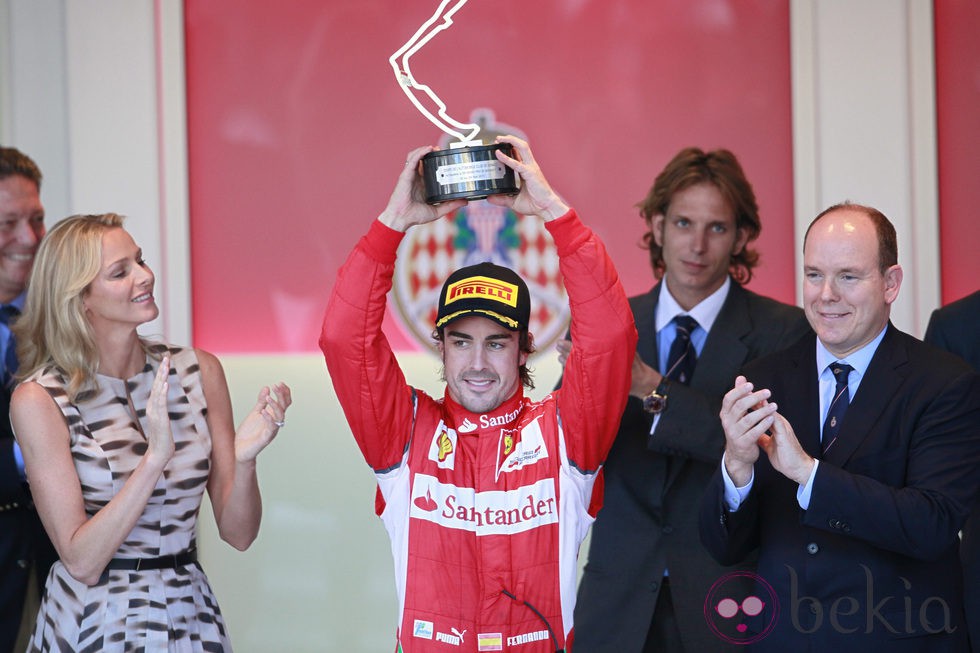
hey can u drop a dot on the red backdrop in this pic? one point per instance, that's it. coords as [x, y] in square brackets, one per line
[958, 118]
[297, 130]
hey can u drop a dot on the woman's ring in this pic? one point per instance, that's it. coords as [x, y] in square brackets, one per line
[279, 423]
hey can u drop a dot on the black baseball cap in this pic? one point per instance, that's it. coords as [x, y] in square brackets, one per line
[486, 290]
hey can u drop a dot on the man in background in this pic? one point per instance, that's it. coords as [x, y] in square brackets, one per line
[23, 543]
[647, 575]
[956, 328]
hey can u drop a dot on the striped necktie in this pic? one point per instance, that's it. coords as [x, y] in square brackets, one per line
[842, 399]
[682, 356]
[8, 314]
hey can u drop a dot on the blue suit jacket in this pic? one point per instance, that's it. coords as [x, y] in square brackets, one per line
[956, 328]
[873, 563]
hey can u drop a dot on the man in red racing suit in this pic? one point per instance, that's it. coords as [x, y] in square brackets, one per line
[485, 494]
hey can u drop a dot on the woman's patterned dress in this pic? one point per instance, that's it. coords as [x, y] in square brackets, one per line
[147, 610]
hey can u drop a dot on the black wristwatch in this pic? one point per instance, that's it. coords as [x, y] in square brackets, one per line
[656, 401]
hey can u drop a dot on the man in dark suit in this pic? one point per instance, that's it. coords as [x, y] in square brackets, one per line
[647, 575]
[23, 543]
[956, 328]
[856, 521]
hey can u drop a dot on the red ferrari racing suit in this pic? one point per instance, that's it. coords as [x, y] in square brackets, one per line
[485, 512]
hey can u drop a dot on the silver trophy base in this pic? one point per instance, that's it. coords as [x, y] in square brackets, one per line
[470, 173]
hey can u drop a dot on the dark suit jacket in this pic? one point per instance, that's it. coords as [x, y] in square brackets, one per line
[22, 538]
[872, 564]
[956, 328]
[653, 484]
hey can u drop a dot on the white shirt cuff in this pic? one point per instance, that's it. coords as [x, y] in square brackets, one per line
[734, 496]
[803, 494]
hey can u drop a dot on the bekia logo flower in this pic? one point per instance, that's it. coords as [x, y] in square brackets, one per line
[741, 608]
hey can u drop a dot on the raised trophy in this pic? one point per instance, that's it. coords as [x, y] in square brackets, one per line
[468, 169]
